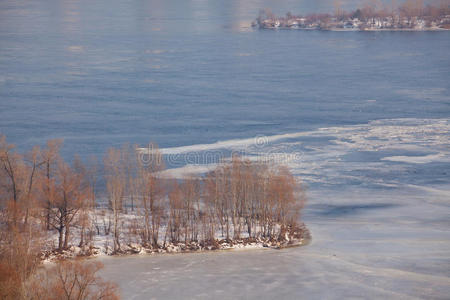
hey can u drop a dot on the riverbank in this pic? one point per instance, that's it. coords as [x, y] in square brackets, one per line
[358, 26]
[365, 29]
[365, 19]
[386, 252]
[299, 237]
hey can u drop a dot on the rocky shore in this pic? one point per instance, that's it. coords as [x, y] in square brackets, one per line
[298, 237]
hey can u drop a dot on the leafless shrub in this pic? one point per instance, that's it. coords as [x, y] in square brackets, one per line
[71, 280]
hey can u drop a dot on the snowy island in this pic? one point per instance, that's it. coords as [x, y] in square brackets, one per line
[71, 209]
[407, 17]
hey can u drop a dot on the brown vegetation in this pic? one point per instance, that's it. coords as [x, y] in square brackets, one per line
[38, 190]
[71, 280]
[409, 14]
[42, 196]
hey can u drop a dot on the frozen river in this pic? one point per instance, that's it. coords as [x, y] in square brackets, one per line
[361, 117]
[378, 211]
[370, 249]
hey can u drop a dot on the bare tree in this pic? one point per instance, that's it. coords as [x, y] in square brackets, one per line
[115, 185]
[71, 280]
[50, 158]
[150, 189]
[20, 247]
[19, 258]
[69, 198]
[176, 213]
[12, 168]
[191, 194]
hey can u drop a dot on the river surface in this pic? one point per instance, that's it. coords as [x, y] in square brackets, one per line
[363, 118]
[370, 250]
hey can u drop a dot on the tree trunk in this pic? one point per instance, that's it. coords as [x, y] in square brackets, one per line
[60, 238]
[66, 237]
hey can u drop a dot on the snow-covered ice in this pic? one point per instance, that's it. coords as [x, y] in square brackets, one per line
[371, 249]
[379, 224]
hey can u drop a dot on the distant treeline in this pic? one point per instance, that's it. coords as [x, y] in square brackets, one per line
[376, 8]
[399, 15]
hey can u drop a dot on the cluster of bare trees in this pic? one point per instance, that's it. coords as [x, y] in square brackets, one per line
[397, 12]
[40, 193]
[238, 199]
[256, 199]
[404, 9]
[39, 189]
[70, 280]
[407, 9]
[45, 199]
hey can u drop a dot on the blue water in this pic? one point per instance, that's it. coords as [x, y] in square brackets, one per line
[189, 72]
[370, 112]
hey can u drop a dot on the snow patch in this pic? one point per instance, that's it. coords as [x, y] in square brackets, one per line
[417, 159]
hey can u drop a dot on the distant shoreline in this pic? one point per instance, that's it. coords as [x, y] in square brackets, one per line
[406, 17]
[363, 30]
